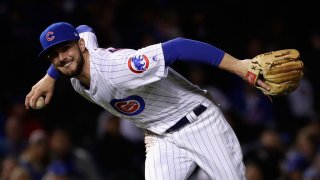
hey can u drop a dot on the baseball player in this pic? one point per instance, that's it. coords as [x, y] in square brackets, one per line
[184, 128]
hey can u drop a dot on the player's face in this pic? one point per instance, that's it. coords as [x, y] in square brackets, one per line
[67, 58]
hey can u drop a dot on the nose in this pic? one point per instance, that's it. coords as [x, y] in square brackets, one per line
[62, 56]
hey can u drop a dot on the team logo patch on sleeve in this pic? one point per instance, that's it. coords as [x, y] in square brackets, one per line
[138, 64]
[129, 106]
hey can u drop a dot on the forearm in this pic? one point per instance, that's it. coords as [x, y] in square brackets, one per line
[234, 65]
[181, 49]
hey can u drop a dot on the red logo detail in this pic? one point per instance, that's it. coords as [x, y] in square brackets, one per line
[49, 36]
[130, 106]
[251, 78]
[138, 64]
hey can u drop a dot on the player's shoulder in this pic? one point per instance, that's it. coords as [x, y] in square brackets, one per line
[111, 51]
[109, 54]
[99, 53]
[120, 52]
[150, 50]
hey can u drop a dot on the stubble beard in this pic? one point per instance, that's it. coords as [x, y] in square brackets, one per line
[78, 69]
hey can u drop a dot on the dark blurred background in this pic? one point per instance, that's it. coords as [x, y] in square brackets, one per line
[280, 137]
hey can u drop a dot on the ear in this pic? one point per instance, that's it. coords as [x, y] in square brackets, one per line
[81, 45]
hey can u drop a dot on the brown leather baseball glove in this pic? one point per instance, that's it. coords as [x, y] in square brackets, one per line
[281, 70]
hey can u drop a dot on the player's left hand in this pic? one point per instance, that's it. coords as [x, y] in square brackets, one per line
[280, 70]
[44, 87]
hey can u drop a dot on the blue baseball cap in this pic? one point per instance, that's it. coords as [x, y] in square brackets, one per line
[57, 33]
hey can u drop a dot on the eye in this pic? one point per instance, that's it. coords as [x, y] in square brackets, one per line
[65, 48]
[52, 55]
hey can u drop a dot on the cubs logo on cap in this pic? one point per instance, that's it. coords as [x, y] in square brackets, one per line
[50, 36]
[55, 34]
[138, 64]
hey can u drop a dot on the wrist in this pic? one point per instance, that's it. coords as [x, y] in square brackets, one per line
[47, 77]
[243, 66]
[234, 65]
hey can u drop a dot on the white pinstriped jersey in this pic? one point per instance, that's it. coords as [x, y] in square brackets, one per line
[136, 85]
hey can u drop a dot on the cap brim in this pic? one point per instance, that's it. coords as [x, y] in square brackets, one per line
[45, 51]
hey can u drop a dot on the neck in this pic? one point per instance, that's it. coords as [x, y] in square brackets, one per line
[84, 77]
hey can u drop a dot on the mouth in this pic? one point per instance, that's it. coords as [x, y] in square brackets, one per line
[67, 64]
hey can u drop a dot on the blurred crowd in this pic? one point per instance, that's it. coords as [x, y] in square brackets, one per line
[75, 139]
[28, 151]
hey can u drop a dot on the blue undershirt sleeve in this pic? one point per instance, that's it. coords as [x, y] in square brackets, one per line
[182, 49]
[84, 28]
[52, 72]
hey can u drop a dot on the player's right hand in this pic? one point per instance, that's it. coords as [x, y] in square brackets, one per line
[44, 87]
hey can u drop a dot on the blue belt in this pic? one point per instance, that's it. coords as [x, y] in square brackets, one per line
[184, 121]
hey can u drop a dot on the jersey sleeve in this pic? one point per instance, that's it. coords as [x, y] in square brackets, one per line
[138, 68]
[90, 40]
[89, 36]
